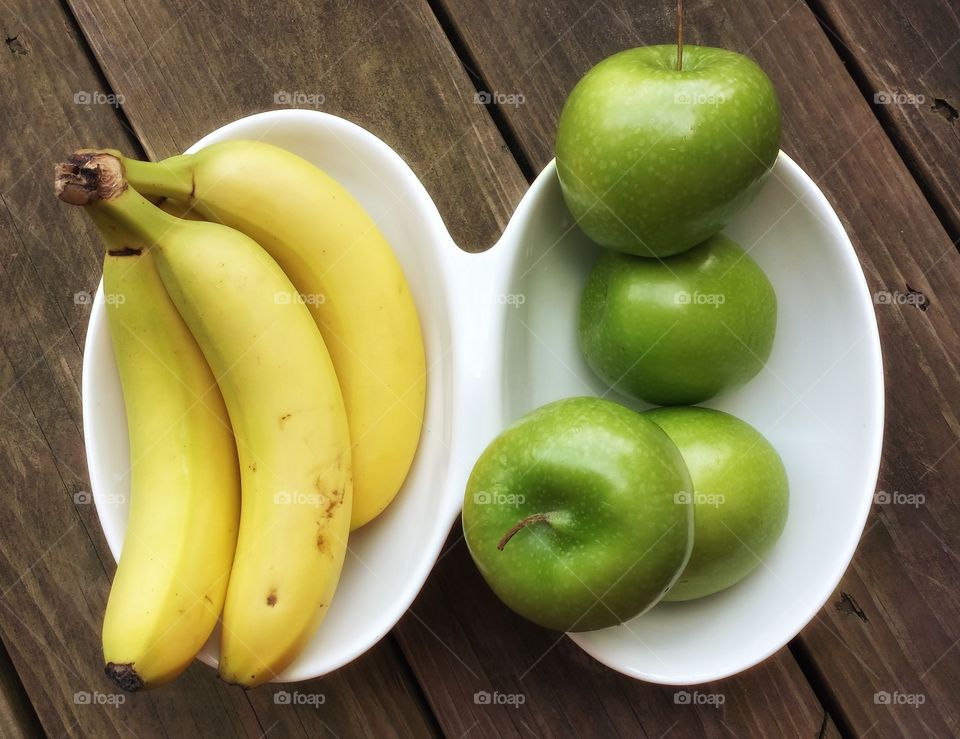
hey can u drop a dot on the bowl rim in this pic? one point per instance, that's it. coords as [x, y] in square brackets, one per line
[477, 382]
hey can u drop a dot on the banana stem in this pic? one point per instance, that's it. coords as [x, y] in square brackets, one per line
[97, 179]
[170, 178]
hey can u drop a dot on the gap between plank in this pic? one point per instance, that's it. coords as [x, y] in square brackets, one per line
[860, 78]
[22, 710]
[84, 43]
[821, 689]
[481, 85]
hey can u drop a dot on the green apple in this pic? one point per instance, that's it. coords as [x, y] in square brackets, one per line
[680, 330]
[652, 159]
[740, 494]
[571, 514]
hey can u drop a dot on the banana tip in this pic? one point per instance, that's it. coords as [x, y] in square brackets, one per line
[124, 675]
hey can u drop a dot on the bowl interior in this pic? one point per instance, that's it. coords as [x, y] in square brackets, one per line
[819, 401]
[388, 559]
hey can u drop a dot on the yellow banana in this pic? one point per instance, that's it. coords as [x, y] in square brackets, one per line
[346, 273]
[285, 407]
[184, 479]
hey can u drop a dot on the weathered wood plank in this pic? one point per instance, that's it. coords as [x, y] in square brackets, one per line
[54, 565]
[188, 67]
[402, 81]
[548, 687]
[907, 59]
[17, 717]
[904, 576]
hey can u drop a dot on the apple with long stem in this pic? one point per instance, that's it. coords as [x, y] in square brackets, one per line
[658, 147]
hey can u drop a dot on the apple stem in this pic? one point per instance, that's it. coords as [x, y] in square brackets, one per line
[679, 35]
[523, 523]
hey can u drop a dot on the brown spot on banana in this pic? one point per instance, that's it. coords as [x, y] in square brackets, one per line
[127, 251]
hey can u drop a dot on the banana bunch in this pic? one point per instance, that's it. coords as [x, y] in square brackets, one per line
[345, 273]
[273, 373]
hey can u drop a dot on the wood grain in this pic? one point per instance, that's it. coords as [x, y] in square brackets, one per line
[192, 66]
[55, 567]
[904, 577]
[548, 687]
[17, 717]
[906, 57]
[185, 69]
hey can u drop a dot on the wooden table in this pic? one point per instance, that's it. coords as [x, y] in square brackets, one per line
[870, 92]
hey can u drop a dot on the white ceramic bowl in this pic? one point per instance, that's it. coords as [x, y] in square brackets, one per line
[501, 340]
